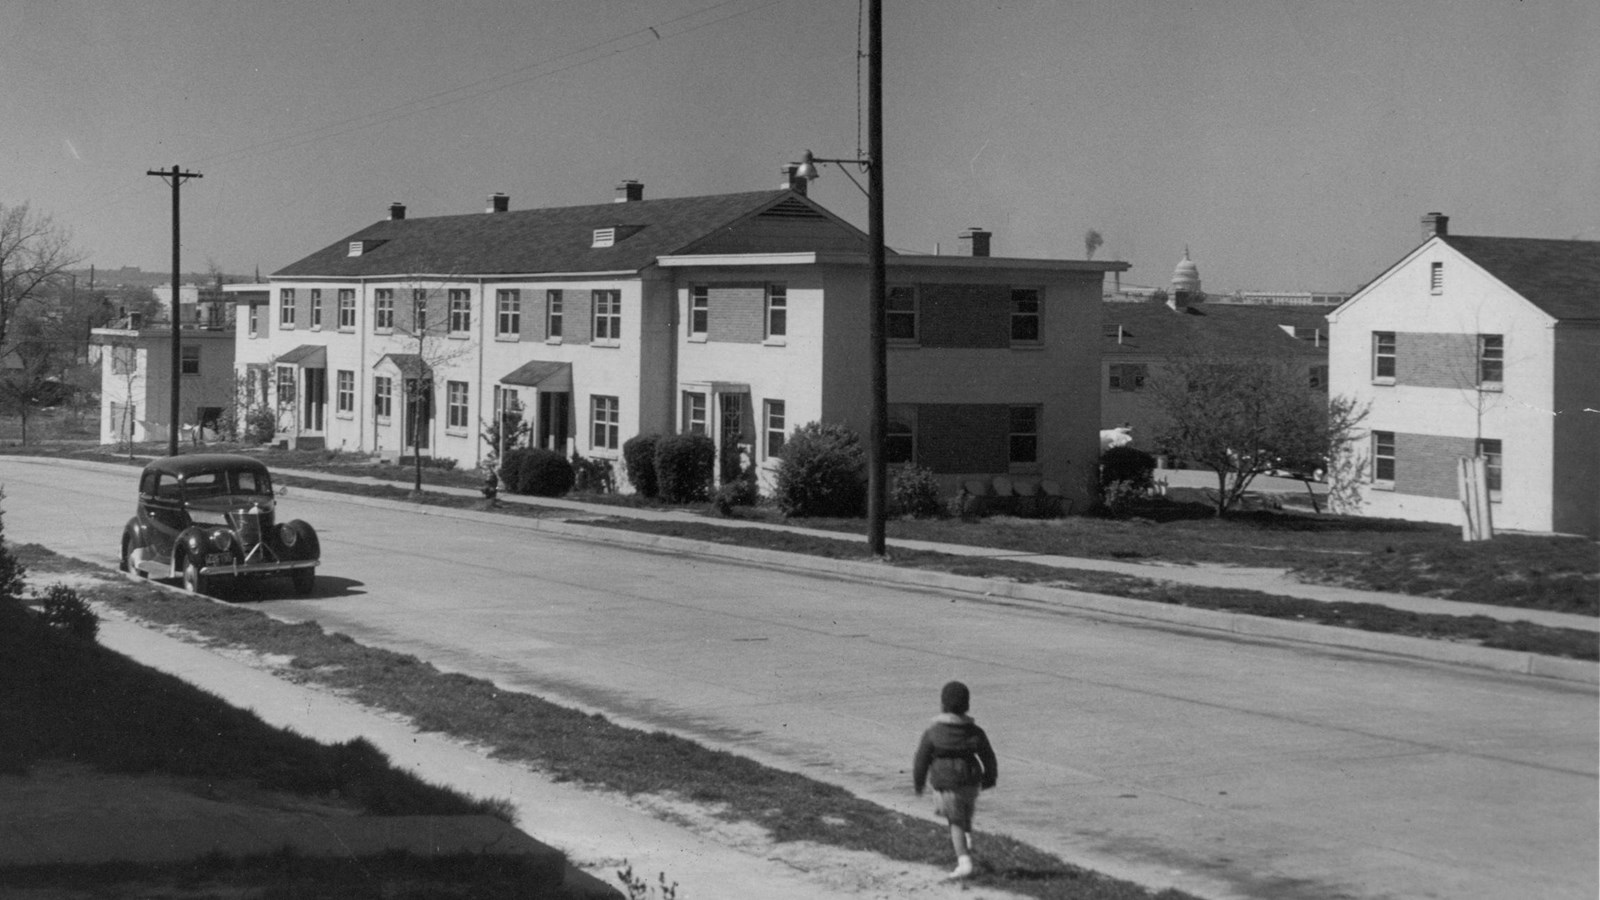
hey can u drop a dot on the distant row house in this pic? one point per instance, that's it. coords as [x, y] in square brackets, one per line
[739, 316]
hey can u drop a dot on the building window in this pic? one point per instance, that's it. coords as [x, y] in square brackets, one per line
[900, 314]
[1491, 360]
[607, 421]
[1127, 376]
[347, 309]
[383, 310]
[286, 308]
[345, 391]
[382, 396]
[777, 310]
[1024, 435]
[699, 310]
[455, 404]
[775, 418]
[900, 440]
[1319, 378]
[694, 413]
[1490, 451]
[1436, 278]
[124, 360]
[1024, 316]
[286, 385]
[1383, 457]
[607, 315]
[509, 321]
[419, 311]
[460, 312]
[1383, 356]
[316, 309]
[190, 363]
[255, 320]
[552, 315]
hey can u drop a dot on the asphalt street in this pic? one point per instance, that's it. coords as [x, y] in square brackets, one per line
[1226, 766]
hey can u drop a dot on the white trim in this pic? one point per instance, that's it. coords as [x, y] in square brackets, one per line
[809, 258]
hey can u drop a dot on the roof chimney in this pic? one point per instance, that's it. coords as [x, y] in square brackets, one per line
[630, 191]
[498, 202]
[397, 211]
[1435, 224]
[973, 242]
[791, 181]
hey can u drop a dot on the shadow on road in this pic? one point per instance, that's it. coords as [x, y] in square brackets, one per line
[263, 590]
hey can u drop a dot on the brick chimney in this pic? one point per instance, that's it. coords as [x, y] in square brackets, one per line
[973, 242]
[498, 203]
[791, 181]
[397, 211]
[1435, 224]
[629, 191]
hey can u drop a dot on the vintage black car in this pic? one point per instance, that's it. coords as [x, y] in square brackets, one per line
[210, 516]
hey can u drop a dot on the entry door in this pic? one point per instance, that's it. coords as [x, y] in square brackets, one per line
[555, 411]
[315, 383]
[733, 424]
[419, 410]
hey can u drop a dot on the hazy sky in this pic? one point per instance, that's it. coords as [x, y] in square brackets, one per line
[1288, 145]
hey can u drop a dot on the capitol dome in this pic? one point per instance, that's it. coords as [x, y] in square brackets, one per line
[1186, 276]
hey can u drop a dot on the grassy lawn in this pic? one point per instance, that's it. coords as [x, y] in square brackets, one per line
[566, 744]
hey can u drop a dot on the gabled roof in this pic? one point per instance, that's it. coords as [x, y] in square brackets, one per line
[1562, 278]
[1154, 329]
[556, 240]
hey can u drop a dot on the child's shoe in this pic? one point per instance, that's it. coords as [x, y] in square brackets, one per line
[962, 870]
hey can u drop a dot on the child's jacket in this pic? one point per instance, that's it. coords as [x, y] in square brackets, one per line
[954, 752]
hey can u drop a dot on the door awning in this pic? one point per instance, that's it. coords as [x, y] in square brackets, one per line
[306, 356]
[410, 365]
[546, 376]
[729, 387]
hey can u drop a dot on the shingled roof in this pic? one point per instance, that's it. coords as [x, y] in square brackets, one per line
[1560, 277]
[1154, 329]
[560, 239]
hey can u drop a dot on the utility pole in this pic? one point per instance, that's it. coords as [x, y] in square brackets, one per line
[176, 178]
[877, 469]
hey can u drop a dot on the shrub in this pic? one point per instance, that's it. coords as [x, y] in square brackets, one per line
[1126, 476]
[593, 475]
[742, 491]
[258, 425]
[639, 460]
[684, 466]
[914, 491]
[12, 571]
[536, 472]
[64, 609]
[822, 472]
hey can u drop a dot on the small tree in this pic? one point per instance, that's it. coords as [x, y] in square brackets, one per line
[1242, 417]
[1126, 474]
[822, 473]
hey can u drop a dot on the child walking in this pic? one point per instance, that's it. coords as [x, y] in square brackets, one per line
[955, 757]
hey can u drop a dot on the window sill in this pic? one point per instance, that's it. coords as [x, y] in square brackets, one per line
[347, 329]
[612, 344]
[383, 420]
[775, 342]
[695, 338]
[316, 328]
[458, 335]
[553, 341]
[456, 430]
[385, 331]
[1492, 387]
[508, 338]
[1383, 485]
[347, 416]
[289, 326]
[1384, 381]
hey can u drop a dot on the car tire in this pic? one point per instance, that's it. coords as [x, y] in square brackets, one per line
[305, 580]
[193, 581]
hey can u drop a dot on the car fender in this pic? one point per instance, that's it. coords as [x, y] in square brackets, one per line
[192, 541]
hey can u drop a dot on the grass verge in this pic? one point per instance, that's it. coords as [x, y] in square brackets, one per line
[587, 748]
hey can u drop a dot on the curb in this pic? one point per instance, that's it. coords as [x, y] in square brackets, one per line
[1510, 661]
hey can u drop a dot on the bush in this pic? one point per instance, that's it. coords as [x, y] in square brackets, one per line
[1126, 476]
[742, 491]
[258, 425]
[639, 461]
[822, 472]
[536, 472]
[684, 466]
[64, 609]
[593, 475]
[914, 491]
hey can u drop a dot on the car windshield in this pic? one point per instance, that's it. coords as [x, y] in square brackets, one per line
[224, 482]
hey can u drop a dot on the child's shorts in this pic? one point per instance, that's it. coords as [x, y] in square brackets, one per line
[957, 805]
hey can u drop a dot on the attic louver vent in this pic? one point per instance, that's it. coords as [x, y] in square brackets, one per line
[605, 237]
[356, 248]
[359, 247]
[792, 209]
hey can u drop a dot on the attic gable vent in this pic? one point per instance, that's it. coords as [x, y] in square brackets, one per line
[608, 237]
[791, 210]
[357, 248]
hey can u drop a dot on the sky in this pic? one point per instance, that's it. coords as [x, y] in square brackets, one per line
[1286, 145]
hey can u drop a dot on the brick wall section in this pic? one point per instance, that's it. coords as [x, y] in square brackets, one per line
[577, 317]
[1425, 464]
[534, 307]
[964, 437]
[1436, 360]
[736, 314]
[964, 315]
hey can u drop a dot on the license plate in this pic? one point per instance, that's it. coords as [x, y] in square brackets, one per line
[218, 559]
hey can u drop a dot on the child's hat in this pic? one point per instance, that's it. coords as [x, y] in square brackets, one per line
[955, 698]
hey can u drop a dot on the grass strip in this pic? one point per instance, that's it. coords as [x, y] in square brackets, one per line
[569, 745]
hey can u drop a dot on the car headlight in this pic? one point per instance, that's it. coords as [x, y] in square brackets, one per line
[222, 539]
[287, 535]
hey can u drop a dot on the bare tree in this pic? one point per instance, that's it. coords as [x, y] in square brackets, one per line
[34, 252]
[425, 324]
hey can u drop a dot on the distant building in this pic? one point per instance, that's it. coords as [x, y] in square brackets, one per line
[1478, 346]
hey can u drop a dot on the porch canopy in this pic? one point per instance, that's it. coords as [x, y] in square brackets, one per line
[546, 376]
[306, 356]
[410, 365]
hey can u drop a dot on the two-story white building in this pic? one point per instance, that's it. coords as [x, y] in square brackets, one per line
[741, 316]
[1478, 346]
